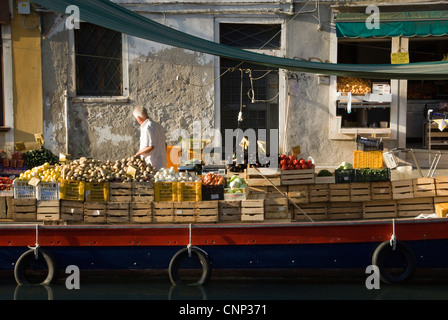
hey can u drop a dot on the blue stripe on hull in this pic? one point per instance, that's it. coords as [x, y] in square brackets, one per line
[430, 254]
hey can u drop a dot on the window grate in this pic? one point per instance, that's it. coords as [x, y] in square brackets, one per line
[98, 61]
[250, 36]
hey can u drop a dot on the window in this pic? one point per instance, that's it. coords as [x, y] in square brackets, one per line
[251, 88]
[363, 114]
[99, 70]
[250, 36]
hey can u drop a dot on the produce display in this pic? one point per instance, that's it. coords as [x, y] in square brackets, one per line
[236, 184]
[292, 163]
[212, 179]
[171, 175]
[45, 173]
[5, 183]
[324, 173]
[35, 158]
[91, 170]
[354, 85]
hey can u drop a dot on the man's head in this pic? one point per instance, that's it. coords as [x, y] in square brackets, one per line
[141, 114]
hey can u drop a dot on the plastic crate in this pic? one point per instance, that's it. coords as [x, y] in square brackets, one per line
[367, 159]
[344, 175]
[369, 144]
[165, 191]
[72, 190]
[235, 196]
[47, 191]
[6, 190]
[212, 192]
[189, 191]
[369, 175]
[97, 192]
[22, 190]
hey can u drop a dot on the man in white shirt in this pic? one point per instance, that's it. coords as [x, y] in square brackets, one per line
[152, 139]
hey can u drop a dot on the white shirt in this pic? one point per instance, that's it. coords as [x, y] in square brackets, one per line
[153, 135]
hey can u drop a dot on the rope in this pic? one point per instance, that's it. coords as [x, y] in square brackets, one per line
[36, 245]
[285, 195]
[189, 245]
[393, 238]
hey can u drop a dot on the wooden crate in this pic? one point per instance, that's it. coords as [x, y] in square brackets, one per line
[424, 187]
[255, 192]
[254, 178]
[339, 192]
[318, 192]
[252, 210]
[441, 184]
[48, 210]
[414, 207]
[142, 212]
[142, 191]
[345, 210]
[402, 189]
[184, 211]
[95, 212]
[316, 211]
[381, 190]
[97, 192]
[72, 211]
[229, 210]
[299, 193]
[276, 208]
[379, 209]
[440, 199]
[117, 212]
[24, 209]
[293, 177]
[360, 191]
[207, 211]
[120, 191]
[3, 208]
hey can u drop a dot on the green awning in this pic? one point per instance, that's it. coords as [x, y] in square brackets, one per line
[393, 24]
[113, 16]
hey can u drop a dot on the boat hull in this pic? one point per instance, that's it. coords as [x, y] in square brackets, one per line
[264, 247]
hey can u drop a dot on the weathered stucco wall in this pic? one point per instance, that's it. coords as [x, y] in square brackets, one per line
[309, 105]
[175, 85]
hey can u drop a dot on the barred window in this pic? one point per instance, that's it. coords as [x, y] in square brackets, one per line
[98, 61]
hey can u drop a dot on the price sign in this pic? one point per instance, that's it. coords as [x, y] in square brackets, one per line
[399, 57]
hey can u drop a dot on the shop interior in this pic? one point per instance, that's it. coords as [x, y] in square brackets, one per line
[422, 95]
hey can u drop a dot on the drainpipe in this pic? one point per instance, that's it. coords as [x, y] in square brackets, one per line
[66, 120]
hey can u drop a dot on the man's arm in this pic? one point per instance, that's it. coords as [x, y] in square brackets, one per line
[145, 151]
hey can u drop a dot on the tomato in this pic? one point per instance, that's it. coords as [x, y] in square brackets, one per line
[283, 156]
[285, 167]
[308, 162]
[291, 157]
[282, 162]
[302, 161]
[304, 166]
[298, 167]
[295, 162]
[290, 167]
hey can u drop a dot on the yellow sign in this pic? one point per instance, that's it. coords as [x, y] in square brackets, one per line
[399, 57]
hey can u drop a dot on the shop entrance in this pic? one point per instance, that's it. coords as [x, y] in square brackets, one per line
[424, 95]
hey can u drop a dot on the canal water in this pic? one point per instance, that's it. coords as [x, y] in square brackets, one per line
[243, 290]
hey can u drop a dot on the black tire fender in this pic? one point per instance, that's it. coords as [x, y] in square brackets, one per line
[23, 261]
[380, 255]
[173, 269]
